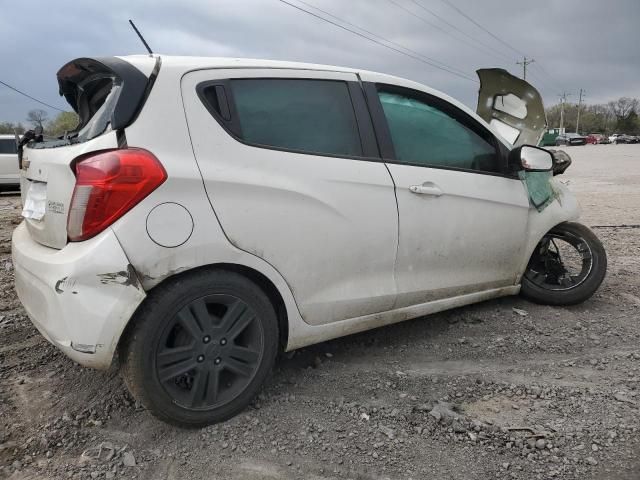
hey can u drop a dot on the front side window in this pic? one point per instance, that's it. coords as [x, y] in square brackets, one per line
[423, 134]
[314, 116]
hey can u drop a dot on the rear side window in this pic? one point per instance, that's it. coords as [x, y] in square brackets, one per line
[314, 116]
[8, 145]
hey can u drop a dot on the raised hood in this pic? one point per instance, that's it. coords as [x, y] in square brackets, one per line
[512, 107]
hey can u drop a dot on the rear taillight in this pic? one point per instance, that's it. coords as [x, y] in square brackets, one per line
[108, 184]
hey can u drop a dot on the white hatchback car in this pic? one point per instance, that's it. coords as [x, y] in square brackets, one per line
[208, 213]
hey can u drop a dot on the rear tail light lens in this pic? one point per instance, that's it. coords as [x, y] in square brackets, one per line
[108, 184]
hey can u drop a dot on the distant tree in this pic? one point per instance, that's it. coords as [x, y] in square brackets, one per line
[629, 124]
[37, 117]
[9, 127]
[63, 122]
[622, 107]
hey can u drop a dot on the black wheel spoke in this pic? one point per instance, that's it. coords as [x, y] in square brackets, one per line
[201, 314]
[198, 388]
[211, 395]
[238, 367]
[170, 372]
[190, 324]
[236, 319]
[244, 354]
[170, 356]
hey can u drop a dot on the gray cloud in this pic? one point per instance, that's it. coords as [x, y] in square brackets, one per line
[576, 44]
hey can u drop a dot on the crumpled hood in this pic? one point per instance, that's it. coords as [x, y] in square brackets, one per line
[512, 107]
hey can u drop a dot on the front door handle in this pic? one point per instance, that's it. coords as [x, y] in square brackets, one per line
[426, 188]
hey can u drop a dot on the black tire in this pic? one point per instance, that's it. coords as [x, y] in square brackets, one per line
[176, 360]
[585, 284]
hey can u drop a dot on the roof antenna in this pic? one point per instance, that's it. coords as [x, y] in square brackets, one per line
[141, 37]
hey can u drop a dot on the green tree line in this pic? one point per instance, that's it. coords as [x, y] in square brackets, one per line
[619, 116]
[62, 122]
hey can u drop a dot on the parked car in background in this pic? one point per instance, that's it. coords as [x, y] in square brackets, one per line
[597, 138]
[570, 139]
[605, 140]
[621, 138]
[592, 139]
[9, 171]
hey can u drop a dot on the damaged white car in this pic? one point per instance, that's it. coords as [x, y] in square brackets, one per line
[208, 213]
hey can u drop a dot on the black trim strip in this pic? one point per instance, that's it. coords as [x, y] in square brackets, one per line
[379, 121]
[363, 119]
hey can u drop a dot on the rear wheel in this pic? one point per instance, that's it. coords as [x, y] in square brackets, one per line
[200, 348]
[567, 266]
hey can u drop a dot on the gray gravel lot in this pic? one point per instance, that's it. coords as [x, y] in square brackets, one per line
[478, 392]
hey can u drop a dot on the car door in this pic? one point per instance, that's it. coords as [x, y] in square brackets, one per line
[291, 166]
[462, 220]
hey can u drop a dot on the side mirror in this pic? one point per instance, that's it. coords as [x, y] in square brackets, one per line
[531, 159]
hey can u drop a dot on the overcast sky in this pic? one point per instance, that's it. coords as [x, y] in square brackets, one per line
[586, 44]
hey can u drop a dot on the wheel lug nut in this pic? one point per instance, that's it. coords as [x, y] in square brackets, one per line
[206, 339]
[200, 358]
[223, 341]
[217, 361]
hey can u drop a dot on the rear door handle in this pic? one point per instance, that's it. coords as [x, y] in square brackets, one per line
[426, 188]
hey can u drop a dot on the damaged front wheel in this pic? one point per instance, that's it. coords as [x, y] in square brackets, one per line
[567, 266]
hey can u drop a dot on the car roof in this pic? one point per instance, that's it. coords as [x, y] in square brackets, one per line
[188, 63]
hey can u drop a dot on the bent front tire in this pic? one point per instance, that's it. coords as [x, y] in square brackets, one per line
[200, 348]
[567, 266]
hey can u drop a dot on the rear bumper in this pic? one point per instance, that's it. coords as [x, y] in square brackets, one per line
[80, 297]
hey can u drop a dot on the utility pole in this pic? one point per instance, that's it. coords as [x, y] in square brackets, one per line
[563, 99]
[524, 64]
[582, 92]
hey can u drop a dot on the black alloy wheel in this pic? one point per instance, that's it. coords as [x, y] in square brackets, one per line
[209, 352]
[200, 347]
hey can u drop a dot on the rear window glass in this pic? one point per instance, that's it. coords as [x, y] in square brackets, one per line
[313, 116]
[96, 103]
[8, 145]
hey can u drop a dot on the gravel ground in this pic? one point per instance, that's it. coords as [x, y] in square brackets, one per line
[484, 391]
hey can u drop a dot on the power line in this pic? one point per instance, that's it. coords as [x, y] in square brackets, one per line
[29, 96]
[543, 70]
[379, 37]
[477, 43]
[482, 28]
[508, 45]
[446, 68]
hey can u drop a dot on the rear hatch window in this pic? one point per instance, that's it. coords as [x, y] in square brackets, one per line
[107, 94]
